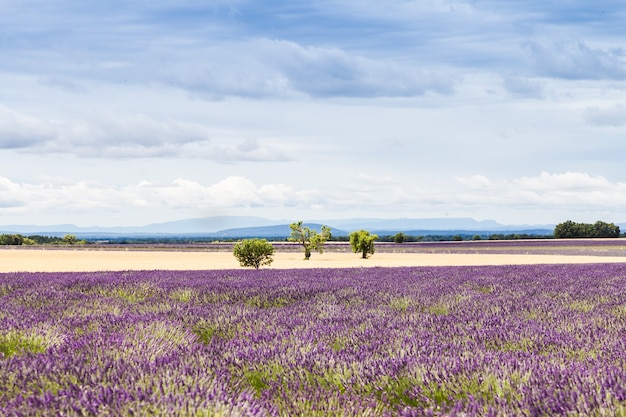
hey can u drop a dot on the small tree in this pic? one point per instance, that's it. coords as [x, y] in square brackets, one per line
[362, 241]
[72, 240]
[253, 252]
[399, 237]
[309, 239]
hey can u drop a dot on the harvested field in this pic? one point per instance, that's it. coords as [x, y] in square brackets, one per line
[55, 259]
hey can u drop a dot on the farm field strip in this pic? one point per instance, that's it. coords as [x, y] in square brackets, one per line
[536, 340]
[58, 260]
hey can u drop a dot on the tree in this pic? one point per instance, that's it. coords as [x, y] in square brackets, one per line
[253, 252]
[362, 241]
[602, 229]
[399, 237]
[567, 229]
[570, 229]
[309, 239]
[72, 240]
[6, 239]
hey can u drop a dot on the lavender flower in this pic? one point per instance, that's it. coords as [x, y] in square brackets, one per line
[510, 340]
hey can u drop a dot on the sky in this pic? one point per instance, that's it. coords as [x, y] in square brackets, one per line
[125, 113]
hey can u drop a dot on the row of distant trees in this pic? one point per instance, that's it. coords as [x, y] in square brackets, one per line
[599, 229]
[17, 239]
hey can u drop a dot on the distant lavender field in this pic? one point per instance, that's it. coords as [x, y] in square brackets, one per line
[513, 340]
[595, 247]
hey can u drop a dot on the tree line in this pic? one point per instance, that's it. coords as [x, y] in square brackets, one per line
[599, 229]
[18, 239]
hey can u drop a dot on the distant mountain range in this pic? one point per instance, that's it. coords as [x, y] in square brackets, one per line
[249, 226]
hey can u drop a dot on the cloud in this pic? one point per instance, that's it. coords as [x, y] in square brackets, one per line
[121, 136]
[575, 60]
[477, 182]
[569, 194]
[613, 116]
[251, 150]
[231, 192]
[19, 131]
[103, 135]
[63, 83]
[523, 86]
[565, 181]
[279, 68]
[566, 191]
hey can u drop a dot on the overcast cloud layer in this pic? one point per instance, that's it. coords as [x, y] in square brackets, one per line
[136, 112]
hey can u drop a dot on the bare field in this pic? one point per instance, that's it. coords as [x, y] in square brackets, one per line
[59, 260]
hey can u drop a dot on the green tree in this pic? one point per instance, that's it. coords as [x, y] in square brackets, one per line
[6, 239]
[72, 240]
[253, 252]
[362, 241]
[570, 229]
[565, 230]
[602, 229]
[308, 238]
[399, 237]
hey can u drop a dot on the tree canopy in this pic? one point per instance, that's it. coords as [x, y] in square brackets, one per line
[599, 229]
[253, 252]
[310, 239]
[362, 241]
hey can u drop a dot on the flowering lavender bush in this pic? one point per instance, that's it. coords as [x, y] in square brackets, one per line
[513, 340]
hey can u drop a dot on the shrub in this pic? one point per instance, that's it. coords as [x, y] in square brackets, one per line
[253, 252]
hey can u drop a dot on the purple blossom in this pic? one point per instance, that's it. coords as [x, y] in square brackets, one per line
[508, 340]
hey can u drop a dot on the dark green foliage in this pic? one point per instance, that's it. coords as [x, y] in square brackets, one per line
[18, 239]
[599, 229]
[11, 239]
[399, 237]
[253, 252]
[362, 241]
[71, 240]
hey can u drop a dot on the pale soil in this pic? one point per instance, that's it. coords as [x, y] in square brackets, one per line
[41, 260]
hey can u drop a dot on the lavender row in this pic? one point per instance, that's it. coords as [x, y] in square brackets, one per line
[584, 247]
[512, 340]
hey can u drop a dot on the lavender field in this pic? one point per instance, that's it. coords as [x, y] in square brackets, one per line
[536, 340]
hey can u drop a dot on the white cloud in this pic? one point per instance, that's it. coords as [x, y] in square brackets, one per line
[63, 83]
[612, 116]
[231, 192]
[117, 135]
[280, 68]
[574, 59]
[249, 150]
[18, 131]
[523, 86]
[566, 192]
[565, 195]
[477, 182]
[565, 182]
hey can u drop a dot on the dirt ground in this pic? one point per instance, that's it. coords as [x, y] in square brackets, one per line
[42, 260]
